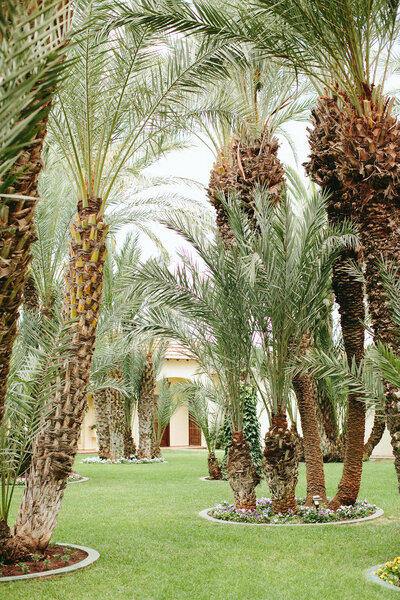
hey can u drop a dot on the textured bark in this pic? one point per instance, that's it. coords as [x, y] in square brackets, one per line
[370, 169]
[11, 550]
[102, 413]
[332, 443]
[323, 168]
[117, 424]
[31, 297]
[281, 464]
[242, 475]
[17, 233]
[377, 431]
[55, 448]
[304, 386]
[214, 470]
[129, 444]
[146, 409]
[240, 168]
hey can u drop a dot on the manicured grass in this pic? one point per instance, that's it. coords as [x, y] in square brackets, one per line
[143, 519]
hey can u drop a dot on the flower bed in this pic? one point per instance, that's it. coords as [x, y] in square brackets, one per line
[305, 514]
[121, 461]
[73, 478]
[390, 572]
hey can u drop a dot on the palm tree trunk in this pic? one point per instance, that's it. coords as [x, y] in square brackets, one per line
[214, 470]
[304, 387]
[377, 431]
[102, 412]
[146, 409]
[129, 444]
[281, 464]
[348, 291]
[242, 475]
[117, 424]
[331, 440]
[17, 233]
[55, 448]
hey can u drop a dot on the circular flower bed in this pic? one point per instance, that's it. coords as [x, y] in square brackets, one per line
[390, 572]
[121, 461]
[305, 514]
[73, 478]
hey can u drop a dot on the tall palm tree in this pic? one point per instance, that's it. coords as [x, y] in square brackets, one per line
[345, 48]
[33, 37]
[97, 128]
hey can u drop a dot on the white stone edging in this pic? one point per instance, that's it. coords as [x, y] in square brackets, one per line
[207, 478]
[376, 579]
[92, 556]
[204, 514]
[81, 480]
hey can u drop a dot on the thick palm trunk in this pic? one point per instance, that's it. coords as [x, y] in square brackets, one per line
[377, 431]
[116, 423]
[102, 413]
[331, 440]
[241, 168]
[129, 444]
[281, 464]
[323, 168]
[242, 475]
[304, 387]
[55, 448]
[146, 409]
[17, 232]
[214, 470]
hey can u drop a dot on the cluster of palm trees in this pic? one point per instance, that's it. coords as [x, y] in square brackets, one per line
[112, 88]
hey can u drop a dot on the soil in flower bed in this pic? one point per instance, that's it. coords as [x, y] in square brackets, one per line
[305, 514]
[55, 557]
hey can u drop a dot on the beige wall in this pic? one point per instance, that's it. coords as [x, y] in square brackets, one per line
[384, 448]
[174, 370]
[88, 439]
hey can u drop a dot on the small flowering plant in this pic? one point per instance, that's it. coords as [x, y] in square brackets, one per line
[95, 460]
[390, 572]
[72, 477]
[305, 514]
[92, 427]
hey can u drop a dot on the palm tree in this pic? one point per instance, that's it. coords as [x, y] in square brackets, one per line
[41, 343]
[206, 401]
[291, 262]
[33, 37]
[207, 309]
[96, 128]
[345, 48]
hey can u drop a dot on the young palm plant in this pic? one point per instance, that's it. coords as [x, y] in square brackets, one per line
[167, 403]
[206, 307]
[42, 342]
[290, 262]
[206, 405]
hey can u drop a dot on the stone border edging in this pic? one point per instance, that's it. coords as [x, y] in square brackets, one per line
[81, 480]
[208, 479]
[92, 556]
[376, 579]
[204, 514]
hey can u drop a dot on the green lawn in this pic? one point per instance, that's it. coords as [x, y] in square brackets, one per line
[143, 519]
